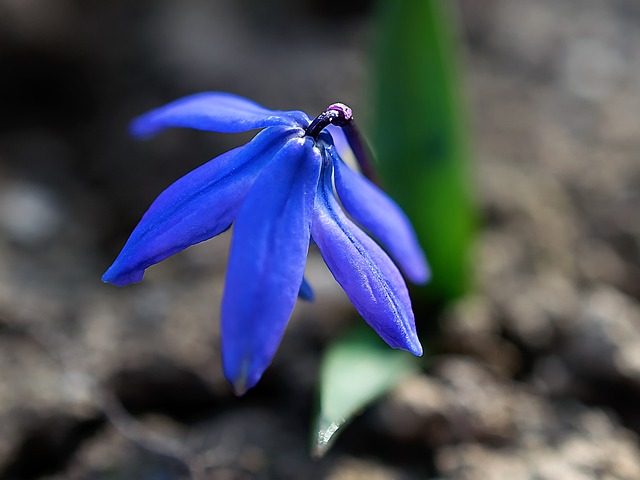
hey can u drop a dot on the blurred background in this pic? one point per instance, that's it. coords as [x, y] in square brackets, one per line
[533, 374]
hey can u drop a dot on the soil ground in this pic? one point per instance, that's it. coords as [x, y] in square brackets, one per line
[535, 375]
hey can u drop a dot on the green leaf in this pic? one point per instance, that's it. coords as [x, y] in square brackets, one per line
[419, 134]
[356, 370]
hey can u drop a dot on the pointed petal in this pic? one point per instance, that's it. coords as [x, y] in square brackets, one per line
[381, 216]
[306, 292]
[198, 206]
[216, 112]
[266, 263]
[368, 276]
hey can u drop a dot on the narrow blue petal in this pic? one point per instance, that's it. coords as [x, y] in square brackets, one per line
[380, 215]
[340, 142]
[198, 206]
[216, 112]
[368, 276]
[306, 292]
[266, 264]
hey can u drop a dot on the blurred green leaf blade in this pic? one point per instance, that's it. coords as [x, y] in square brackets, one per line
[356, 370]
[420, 137]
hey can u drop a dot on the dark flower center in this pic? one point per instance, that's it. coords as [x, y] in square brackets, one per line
[336, 114]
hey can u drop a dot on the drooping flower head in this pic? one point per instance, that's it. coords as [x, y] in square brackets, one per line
[278, 191]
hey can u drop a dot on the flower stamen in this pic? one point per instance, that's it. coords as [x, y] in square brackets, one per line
[337, 114]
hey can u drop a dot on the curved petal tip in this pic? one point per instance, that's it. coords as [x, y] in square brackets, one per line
[122, 278]
[415, 347]
[421, 274]
[242, 379]
[306, 291]
[239, 388]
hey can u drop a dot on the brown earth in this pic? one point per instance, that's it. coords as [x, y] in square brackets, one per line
[535, 375]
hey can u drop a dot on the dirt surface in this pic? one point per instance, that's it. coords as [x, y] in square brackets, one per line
[535, 375]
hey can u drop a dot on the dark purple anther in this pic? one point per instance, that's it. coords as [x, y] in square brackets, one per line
[345, 115]
[341, 115]
[336, 114]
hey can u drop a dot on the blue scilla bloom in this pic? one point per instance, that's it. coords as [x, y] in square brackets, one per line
[278, 191]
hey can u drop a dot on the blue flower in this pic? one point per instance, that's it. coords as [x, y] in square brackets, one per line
[278, 191]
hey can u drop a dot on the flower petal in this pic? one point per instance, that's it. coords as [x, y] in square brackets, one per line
[216, 112]
[368, 276]
[266, 264]
[306, 291]
[198, 206]
[341, 144]
[381, 216]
